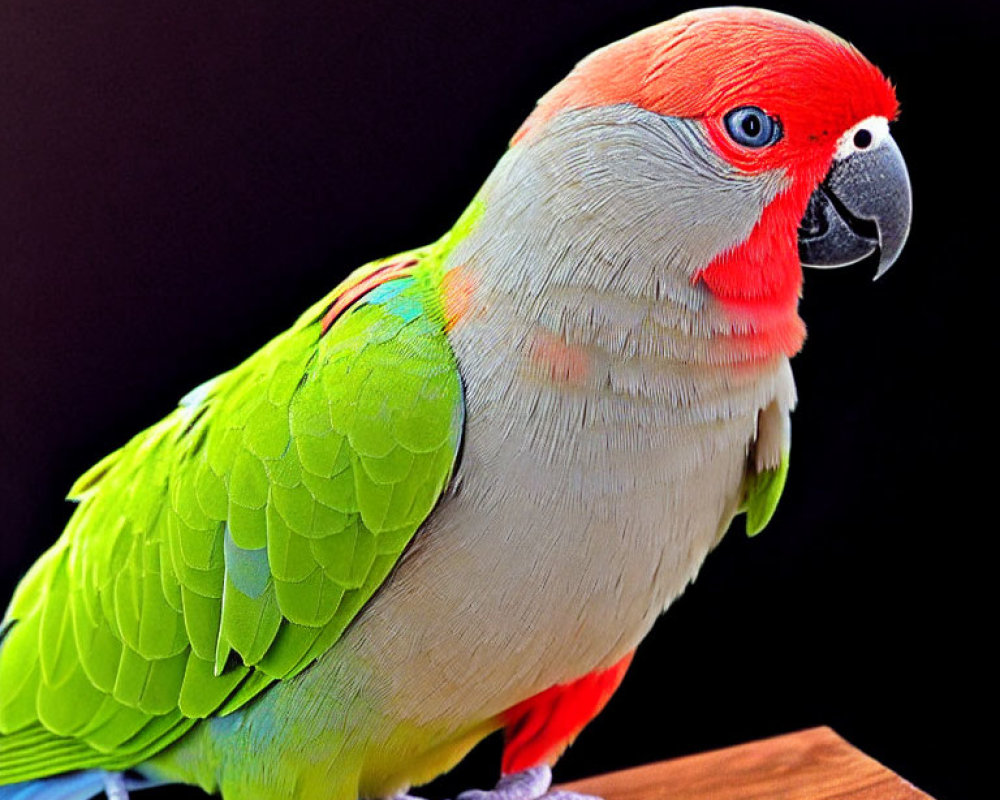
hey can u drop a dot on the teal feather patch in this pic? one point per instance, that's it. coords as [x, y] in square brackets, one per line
[398, 298]
[386, 291]
[247, 570]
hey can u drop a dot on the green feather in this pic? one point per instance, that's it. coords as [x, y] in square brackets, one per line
[232, 543]
[202, 691]
[163, 685]
[763, 491]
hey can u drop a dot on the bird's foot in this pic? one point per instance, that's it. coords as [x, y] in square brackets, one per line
[117, 785]
[114, 786]
[531, 784]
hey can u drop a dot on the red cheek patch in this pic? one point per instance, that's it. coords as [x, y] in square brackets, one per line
[761, 342]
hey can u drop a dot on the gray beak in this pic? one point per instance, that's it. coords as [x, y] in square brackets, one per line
[864, 204]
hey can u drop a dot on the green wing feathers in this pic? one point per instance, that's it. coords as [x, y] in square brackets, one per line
[230, 545]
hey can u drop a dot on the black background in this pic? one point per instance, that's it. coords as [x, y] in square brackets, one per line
[179, 180]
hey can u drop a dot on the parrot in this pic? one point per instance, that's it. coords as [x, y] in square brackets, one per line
[454, 497]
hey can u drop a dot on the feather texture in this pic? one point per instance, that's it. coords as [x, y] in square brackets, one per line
[230, 544]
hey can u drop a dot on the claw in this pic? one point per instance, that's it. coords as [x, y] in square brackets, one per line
[562, 794]
[117, 785]
[114, 786]
[527, 785]
[531, 784]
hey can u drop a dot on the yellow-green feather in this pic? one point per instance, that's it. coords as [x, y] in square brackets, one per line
[763, 491]
[229, 545]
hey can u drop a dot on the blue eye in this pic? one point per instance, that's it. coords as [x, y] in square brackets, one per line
[751, 127]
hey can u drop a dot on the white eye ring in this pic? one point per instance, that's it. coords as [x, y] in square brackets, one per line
[865, 135]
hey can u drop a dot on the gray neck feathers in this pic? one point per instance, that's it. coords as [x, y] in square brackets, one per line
[595, 230]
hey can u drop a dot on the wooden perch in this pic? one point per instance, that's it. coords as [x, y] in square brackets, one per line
[814, 764]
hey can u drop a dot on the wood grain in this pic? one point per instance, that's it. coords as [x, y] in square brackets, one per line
[814, 764]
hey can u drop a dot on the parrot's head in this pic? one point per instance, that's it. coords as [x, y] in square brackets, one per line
[708, 158]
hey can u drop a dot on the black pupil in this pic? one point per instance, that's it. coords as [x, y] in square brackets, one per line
[751, 126]
[862, 139]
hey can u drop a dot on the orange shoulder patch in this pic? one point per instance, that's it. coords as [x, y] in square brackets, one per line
[457, 287]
